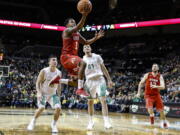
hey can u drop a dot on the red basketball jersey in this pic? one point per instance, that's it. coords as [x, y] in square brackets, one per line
[71, 45]
[152, 80]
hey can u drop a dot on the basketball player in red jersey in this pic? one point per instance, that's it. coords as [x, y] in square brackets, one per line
[69, 55]
[154, 82]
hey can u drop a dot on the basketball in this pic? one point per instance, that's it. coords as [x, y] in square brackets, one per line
[84, 6]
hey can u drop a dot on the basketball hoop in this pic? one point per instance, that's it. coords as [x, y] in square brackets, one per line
[1, 74]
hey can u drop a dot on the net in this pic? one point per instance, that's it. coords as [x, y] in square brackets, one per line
[4, 71]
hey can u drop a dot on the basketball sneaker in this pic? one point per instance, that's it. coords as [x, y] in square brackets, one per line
[31, 125]
[90, 125]
[82, 92]
[107, 125]
[54, 128]
[55, 80]
[164, 124]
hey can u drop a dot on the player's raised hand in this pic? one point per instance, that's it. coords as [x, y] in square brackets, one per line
[85, 13]
[99, 34]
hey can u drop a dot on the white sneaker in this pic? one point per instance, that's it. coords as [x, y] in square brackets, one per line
[90, 125]
[107, 125]
[164, 124]
[31, 125]
[54, 128]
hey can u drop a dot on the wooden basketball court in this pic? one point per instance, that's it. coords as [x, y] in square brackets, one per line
[74, 122]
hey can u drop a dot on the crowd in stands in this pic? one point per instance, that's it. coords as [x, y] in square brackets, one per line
[127, 60]
[18, 90]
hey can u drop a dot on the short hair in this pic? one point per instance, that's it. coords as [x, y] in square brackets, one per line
[155, 64]
[51, 56]
[86, 45]
[67, 21]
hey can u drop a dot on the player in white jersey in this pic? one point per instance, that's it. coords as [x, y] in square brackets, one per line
[46, 93]
[94, 70]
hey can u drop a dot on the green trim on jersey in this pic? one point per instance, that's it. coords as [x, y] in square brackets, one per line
[43, 101]
[56, 100]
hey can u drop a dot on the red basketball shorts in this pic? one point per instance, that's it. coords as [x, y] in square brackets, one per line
[154, 100]
[70, 63]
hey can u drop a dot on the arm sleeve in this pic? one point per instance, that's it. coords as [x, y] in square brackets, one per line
[100, 60]
[143, 80]
[162, 81]
[60, 73]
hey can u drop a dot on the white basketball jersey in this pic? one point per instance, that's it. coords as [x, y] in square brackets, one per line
[93, 66]
[48, 75]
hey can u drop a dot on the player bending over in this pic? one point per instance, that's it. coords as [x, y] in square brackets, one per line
[45, 93]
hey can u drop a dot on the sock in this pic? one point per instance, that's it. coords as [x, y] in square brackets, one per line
[90, 118]
[54, 122]
[33, 120]
[106, 118]
[80, 83]
[152, 120]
